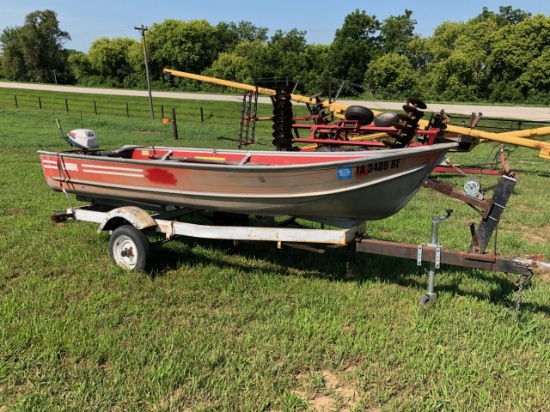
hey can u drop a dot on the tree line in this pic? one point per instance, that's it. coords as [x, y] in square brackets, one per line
[499, 56]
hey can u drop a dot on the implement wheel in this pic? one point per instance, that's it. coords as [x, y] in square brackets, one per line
[362, 114]
[386, 119]
[129, 248]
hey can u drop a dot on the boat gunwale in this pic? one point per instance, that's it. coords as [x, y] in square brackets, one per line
[355, 158]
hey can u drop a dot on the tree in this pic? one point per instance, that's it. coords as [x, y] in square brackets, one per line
[458, 66]
[396, 33]
[80, 66]
[444, 40]
[314, 75]
[455, 78]
[231, 34]
[505, 16]
[187, 46]
[392, 75]
[354, 46]
[280, 58]
[110, 59]
[13, 59]
[418, 52]
[34, 51]
[518, 58]
[251, 62]
[233, 66]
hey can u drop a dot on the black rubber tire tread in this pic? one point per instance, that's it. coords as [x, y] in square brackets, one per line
[362, 114]
[385, 119]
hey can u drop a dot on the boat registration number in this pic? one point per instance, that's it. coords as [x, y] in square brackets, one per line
[363, 170]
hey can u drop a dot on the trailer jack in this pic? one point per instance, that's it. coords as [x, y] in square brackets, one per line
[429, 298]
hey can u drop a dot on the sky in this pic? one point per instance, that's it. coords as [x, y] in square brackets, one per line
[86, 20]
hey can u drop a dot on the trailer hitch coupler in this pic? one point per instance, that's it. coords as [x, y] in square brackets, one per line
[60, 217]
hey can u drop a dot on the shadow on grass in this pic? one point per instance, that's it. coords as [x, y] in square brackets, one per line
[342, 265]
[227, 139]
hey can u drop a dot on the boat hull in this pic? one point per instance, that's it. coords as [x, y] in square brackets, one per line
[365, 185]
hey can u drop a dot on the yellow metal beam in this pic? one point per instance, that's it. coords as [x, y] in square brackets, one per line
[516, 138]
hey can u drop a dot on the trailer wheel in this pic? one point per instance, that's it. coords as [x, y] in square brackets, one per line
[362, 114]
[129, 248]
[385, 119]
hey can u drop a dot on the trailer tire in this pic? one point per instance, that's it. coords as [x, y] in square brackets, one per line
[386, 119]
[362, 114]
[129, 248]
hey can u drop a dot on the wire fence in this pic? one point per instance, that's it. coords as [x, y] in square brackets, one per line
[115, 107]
[138, 107]
[495, 124]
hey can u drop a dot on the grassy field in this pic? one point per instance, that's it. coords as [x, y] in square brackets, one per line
[216, 328]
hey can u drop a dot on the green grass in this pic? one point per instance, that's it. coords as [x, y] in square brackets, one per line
[215, 328]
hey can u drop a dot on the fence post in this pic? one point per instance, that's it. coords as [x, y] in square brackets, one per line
[162, 111]
[174, 124]
[67, 105]
[127, 110]
[202, 115]
[95, 108]
[40, 102]
[16, 104]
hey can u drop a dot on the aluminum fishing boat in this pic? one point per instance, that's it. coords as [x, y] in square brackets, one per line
[351, 185]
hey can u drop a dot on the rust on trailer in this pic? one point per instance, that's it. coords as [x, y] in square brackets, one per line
[136, 216]
[487, 261]
[449, 189]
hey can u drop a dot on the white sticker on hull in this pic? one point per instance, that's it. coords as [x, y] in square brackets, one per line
[71, 167]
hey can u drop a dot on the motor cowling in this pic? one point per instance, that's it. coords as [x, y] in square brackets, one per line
[83, 139]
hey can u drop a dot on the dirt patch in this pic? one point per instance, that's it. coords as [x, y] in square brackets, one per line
[172, 401]
[540, 237]
[16, 212]
[531, 236]
[522, 207]
[325, 391]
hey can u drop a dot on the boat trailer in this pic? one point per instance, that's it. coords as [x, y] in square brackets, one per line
[130, 248]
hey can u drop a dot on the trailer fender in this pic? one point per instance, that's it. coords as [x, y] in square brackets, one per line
[135, 216]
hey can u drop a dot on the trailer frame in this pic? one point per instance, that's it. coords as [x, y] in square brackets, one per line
[130, 225]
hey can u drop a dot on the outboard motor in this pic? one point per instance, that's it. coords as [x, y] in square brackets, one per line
[84, 139]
